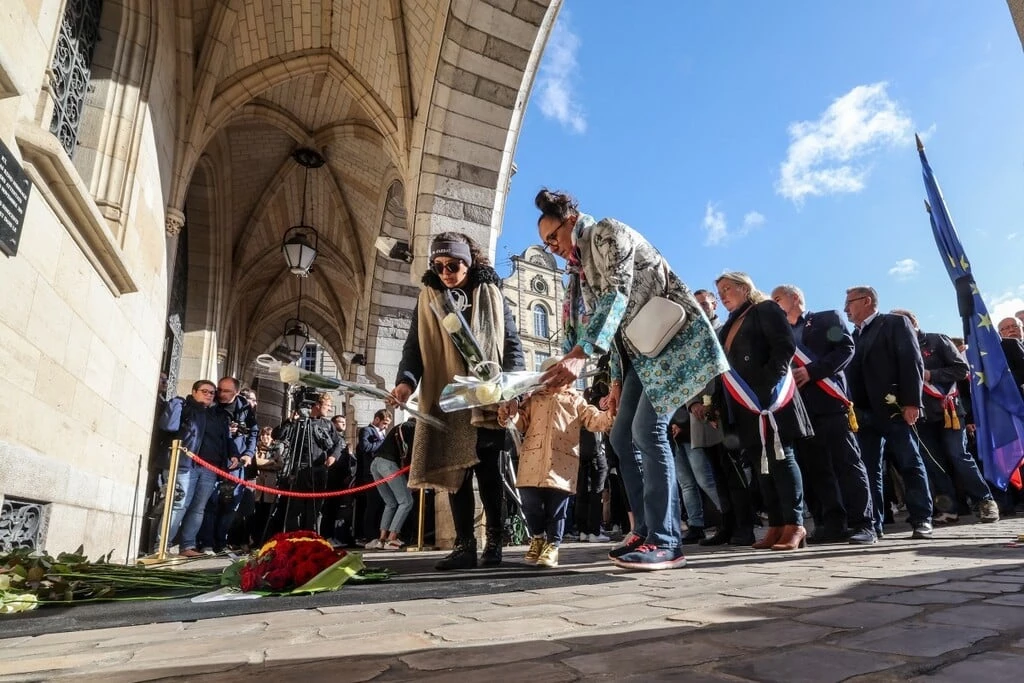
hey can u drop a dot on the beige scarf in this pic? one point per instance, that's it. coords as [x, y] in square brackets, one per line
[440, 459]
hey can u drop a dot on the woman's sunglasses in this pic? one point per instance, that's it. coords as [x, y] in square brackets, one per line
[452, 267]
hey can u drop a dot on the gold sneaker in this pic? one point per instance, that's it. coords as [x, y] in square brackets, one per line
[548, 556]
[537, 544]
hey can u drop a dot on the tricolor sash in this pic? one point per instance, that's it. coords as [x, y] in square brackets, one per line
[829, 386]
[948, 400]
[782, 394]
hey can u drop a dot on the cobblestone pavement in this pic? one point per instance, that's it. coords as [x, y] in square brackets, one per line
[949, 609]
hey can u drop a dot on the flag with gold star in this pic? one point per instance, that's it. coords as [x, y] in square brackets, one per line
[996, 401]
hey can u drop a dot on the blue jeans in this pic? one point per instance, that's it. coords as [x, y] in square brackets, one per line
[907, 460]
[640, 438]
[396, 494]
[948, 450]
[782, 489]
[184, 481]
[695, 474]
[545, 511]
[203, 484]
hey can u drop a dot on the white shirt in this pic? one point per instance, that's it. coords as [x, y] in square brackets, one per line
[867, 321]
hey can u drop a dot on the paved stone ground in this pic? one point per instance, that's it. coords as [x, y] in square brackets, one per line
[949, 609]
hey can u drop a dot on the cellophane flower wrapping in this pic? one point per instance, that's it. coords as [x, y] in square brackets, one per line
[288, 561]
[454, 323]
[471, 392]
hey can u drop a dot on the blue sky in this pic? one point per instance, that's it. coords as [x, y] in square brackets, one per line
[777, 138]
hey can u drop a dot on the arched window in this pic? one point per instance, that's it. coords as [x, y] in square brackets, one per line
[540, 321]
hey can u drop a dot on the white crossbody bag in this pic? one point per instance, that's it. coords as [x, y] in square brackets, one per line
[655, 324]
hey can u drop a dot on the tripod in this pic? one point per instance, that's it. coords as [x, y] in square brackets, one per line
[298, 465]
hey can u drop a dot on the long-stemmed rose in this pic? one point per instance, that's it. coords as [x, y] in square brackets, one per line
[454, 323]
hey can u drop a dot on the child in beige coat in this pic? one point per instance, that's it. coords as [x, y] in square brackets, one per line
[549, 461]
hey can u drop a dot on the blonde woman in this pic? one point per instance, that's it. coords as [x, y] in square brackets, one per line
[765, 411]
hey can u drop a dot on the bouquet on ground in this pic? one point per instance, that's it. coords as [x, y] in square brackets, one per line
[30, 578]
[298, 562]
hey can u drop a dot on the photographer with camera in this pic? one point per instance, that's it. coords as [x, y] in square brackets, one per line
[314, 445]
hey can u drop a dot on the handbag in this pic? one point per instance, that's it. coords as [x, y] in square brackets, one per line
[654, 325]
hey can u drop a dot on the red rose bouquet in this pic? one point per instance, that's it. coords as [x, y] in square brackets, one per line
[288, 561]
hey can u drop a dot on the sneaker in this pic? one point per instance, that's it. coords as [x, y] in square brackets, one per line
[537, 544]
[988, 511]
[630, 543]
[599, 538]
[375, 544]
[922, 530]
[946, 518]
[209, 552]
[548, 556]
[584, 538]
[862, 537]
[394, 544]
[652, 558]
[570, 537]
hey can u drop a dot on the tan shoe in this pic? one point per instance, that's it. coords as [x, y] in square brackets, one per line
[537, 544]
[548, 556]
[793, 537]
[770, 538]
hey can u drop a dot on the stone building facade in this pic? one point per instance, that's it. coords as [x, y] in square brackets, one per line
[158, 144]
[536, 292]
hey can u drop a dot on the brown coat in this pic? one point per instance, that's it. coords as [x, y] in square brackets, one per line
[550, 456]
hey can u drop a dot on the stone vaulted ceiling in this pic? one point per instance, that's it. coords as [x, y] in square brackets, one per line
[261, 78]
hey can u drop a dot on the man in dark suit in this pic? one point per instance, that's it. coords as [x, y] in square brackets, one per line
[1011, 332]
[838, 494]
[943, 432]
[886, 378]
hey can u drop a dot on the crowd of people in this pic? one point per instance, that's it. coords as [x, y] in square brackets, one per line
[775, 412]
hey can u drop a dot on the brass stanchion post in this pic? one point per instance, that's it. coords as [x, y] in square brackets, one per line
[420, 526]
[165, 521]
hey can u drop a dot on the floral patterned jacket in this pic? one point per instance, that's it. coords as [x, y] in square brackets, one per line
[618, 272]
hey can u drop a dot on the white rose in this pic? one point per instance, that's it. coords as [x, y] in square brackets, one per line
[289, 374]
[706, 401]
[451, 323]
[890, 399]
[488, 394]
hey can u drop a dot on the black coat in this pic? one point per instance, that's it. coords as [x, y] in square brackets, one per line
[887, 360]
[824, 337]
[761, 353]
[946, 367]
[1013, 349]
[410, 369]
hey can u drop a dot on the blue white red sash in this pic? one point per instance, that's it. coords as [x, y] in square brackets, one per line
[948, 400]
[782, 394]
[831, 387]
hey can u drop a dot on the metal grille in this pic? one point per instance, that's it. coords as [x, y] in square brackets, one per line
[72, 63]
[22, 524]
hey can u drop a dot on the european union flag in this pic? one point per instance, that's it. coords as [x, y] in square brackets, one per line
[996, 401]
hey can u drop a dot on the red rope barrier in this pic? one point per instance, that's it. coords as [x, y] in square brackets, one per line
[294, 494]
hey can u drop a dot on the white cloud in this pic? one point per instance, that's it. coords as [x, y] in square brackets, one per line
[752, 220]
[1012, 236]
[716, 227]
[827, 156]
[556, 82]
[905, 269]
[1005, 305]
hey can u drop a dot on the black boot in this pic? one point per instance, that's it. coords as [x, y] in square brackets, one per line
[491, 556]
[694, 534]
[463, 556]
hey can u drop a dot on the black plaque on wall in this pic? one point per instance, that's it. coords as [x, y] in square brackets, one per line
[14, 188]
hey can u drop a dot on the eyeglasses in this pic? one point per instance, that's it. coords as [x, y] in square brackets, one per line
[452, 267]
[850, 301]
[551, 241]
[208, 392]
